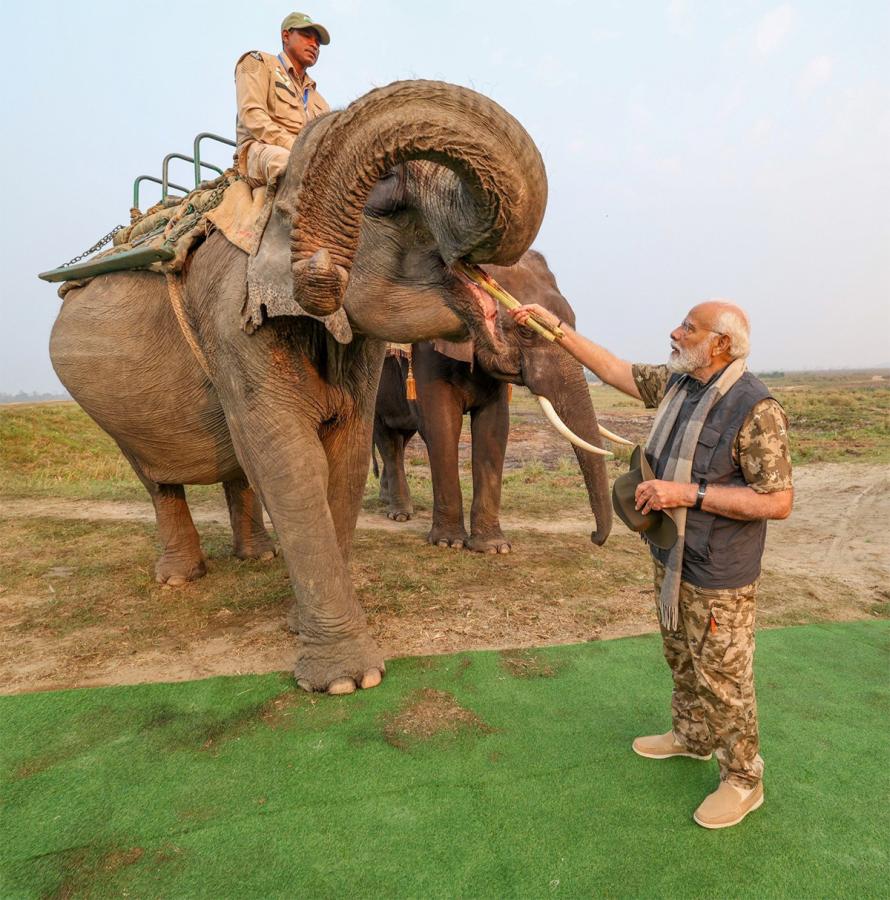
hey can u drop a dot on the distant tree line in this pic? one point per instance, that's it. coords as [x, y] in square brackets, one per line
[33, 397]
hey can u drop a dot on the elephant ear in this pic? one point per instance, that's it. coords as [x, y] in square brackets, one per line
[270, 282]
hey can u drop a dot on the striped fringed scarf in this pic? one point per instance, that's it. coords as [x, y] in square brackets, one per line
[679, 468]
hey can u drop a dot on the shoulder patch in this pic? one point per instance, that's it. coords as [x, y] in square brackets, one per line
[254, 54]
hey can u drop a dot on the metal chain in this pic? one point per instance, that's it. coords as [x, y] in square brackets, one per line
[100, 243]
[188, 222]
[193, 214]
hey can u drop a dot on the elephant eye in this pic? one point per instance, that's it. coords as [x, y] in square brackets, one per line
[387, 196]
[525, 334]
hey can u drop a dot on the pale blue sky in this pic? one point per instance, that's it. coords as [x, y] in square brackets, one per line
[693, 148]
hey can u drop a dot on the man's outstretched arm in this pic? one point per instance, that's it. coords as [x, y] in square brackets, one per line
[604, 364]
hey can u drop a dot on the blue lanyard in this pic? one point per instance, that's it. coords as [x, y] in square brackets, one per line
[305, 90]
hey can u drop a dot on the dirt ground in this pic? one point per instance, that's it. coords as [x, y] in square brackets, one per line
[829, 546]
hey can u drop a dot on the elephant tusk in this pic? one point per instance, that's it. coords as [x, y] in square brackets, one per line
[615, 438]
[564, 429]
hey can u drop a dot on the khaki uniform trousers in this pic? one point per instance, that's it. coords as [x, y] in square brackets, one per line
[711, 657]
[263, 162]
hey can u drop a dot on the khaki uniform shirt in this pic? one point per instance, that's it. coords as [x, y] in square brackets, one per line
[271, 106]
[761, 449]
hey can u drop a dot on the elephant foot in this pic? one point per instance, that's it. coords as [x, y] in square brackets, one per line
[489, 543]
[173, 570]
[262, 549]
[447, 536]
[400, 515]
[340, 667]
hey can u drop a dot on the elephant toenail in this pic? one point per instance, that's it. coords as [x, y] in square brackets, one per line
[305, 685]
[344, 685]
[371, 678]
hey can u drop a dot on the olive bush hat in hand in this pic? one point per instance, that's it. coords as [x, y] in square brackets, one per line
[657, 526]
[301, 20]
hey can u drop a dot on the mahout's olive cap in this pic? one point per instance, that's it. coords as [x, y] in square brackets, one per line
[301, 20]
[657, 526]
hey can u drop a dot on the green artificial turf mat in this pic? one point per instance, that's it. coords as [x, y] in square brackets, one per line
[478, 774]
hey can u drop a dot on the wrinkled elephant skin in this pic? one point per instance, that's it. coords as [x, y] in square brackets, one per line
[447, 389]
[284, 418]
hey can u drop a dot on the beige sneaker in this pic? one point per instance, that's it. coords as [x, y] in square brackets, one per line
[728, 805]
[663, 746]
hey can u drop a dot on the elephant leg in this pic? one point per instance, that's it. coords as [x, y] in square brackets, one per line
[346, 446]
[394, 488]
[181, 559]
[250, 540]
[440, 429]
[382, 473]
[490, 425]
[286, 462]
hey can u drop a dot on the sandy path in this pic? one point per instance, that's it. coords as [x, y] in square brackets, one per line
[829, 541]
[829, 533]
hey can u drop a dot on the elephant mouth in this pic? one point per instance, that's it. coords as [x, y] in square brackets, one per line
[487, 306]
[479, 312]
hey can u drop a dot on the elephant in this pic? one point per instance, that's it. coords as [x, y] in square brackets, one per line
[267, 381]
[448, 388]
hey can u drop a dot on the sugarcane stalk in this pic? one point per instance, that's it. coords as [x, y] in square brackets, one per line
[493, 289]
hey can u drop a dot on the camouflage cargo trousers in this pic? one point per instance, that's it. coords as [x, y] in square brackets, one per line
[711, 656]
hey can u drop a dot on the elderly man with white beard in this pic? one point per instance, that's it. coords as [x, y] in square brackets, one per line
[717, 416]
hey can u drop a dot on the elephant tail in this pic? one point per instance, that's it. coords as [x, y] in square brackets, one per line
[374, 461]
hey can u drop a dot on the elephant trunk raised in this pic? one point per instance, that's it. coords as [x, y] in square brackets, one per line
[283, 411]
[487, 209]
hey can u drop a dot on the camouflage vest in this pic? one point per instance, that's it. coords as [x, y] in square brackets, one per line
[719, 552]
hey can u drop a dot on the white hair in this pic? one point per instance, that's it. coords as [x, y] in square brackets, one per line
[734, 324]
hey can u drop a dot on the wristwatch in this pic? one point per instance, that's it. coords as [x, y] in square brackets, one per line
[700, 495]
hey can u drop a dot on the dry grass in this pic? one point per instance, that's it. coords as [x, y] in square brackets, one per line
[78, 601]
[54, 449]
[427, 715]
[79, 605]
[526, 664]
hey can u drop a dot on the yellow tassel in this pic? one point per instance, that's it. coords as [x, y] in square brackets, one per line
[509, 393]
[410, 383]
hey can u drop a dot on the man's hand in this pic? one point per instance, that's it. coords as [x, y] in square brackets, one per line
[741, 503]
[535, 311]
[659, 494]
[605, 365]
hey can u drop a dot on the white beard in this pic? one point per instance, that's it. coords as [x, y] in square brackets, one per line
[683, 361]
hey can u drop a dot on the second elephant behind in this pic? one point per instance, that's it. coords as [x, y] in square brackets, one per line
[447, 389]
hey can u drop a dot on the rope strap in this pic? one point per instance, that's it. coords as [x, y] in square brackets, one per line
[174, 289]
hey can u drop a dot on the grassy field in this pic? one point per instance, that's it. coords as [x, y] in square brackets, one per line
[471, 775]
[55, 450]
[474, 772]
[836, 417]
[88, 606]
[81, 601]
